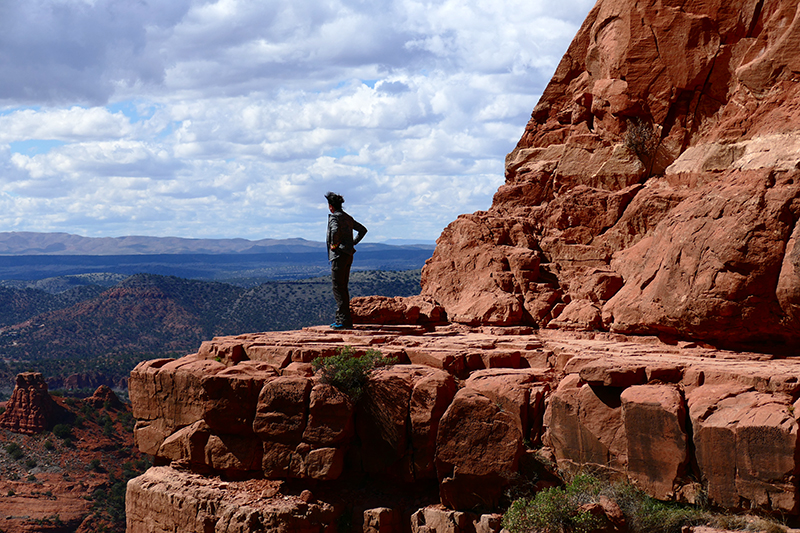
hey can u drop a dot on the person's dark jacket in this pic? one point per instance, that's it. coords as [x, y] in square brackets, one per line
[340, 234]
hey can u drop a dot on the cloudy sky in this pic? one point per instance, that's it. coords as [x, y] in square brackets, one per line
[232, 118]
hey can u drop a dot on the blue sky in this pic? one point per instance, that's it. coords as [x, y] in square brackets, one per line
[230, 118]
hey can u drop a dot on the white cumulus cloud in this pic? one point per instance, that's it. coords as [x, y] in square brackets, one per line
[231, 118]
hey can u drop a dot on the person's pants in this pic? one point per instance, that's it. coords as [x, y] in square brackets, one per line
[340, 275]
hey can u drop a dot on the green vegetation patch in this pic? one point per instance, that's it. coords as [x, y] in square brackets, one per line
[348, 372]
[556, 509]
[14, 451]
[565, 510]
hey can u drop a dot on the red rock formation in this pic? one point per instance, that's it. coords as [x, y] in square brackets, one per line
[104, 396]
[30, 409]
[668, 417]
[384, 310]
[749, 441]
[165, 500]
[656, 188]
[478, 447]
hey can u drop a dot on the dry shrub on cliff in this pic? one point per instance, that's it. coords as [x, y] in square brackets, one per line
[646, 514]
[350, 373]
[641, 138]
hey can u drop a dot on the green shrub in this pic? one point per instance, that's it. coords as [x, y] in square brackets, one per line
[15, 451]
[108, 427]
[31, 462]
[646, 514]
[48, 445]
[62, 431]
[349, 373]
[109, 502]
[555, 509]
[127, 421]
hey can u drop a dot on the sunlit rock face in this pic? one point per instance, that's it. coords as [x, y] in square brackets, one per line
[656, 187]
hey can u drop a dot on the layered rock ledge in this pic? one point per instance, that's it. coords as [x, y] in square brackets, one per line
[461, 418]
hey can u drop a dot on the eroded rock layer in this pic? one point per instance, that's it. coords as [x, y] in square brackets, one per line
[655, 189]
[464, 412]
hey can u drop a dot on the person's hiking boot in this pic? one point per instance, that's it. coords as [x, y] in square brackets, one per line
[336, 325]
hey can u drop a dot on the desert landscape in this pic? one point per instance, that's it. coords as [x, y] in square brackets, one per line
[625, 314]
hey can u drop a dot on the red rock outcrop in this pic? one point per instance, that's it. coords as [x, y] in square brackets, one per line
[674, 419]
[104, 396]
[165, 500]
[384, 310]
[656, 189]
[471, 428]
[666, 422]
[30, 409]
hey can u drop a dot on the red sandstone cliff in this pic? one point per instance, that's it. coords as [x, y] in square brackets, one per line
[656, 187]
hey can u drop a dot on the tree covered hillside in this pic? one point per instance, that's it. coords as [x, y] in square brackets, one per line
[106, 331]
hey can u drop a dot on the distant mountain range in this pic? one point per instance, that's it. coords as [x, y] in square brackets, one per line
[30, 243]
[26, 258]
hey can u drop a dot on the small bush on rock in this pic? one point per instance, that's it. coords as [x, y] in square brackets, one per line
[641, 137]
[558, 510]
[349, 373]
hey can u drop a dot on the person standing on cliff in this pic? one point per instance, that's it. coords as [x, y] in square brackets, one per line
[341, 247]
